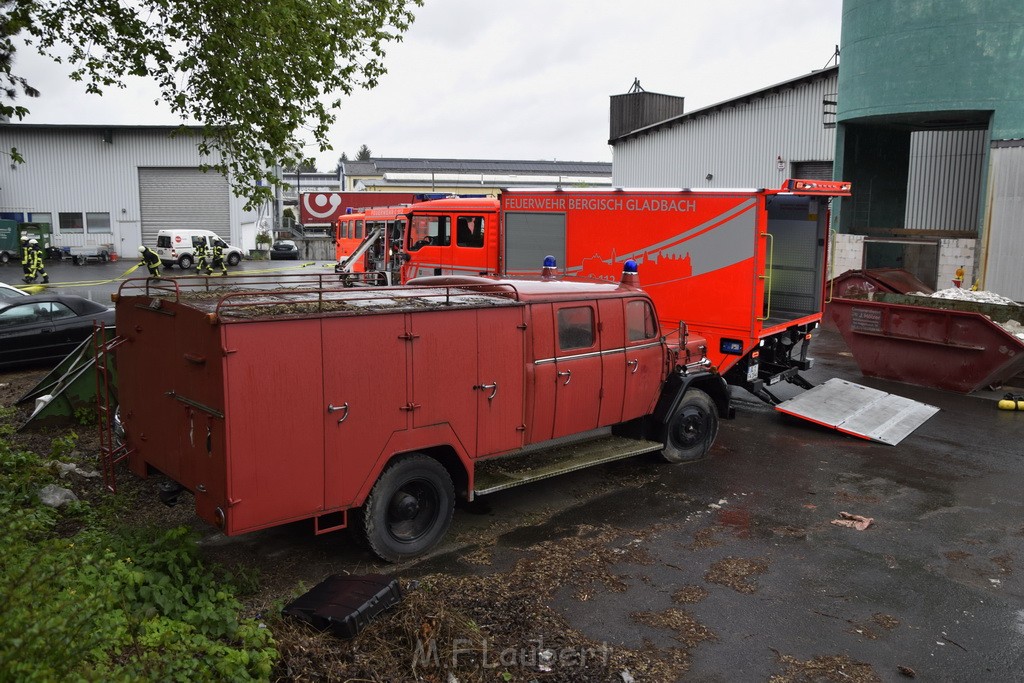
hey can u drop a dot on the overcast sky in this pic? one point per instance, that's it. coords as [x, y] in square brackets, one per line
[526, 79]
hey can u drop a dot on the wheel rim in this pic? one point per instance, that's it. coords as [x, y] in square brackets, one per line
[413, 510]
[691, 427]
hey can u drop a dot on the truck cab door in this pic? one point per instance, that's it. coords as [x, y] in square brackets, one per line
[644, 359]
[471, 255]
[578, 372]
[429, 246]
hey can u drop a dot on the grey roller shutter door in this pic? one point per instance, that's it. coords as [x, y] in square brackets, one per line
[529, 237]
[183, 198]
[812, 170]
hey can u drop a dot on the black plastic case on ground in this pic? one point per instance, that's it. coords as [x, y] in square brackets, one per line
[345, 604]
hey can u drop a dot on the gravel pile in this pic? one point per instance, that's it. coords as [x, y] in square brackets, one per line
[981, 297]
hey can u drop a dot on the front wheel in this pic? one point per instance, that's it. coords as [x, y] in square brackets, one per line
[4, 257]
[409, 509]
[691, 430]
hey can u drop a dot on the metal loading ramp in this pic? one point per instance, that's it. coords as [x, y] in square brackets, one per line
[859, 411]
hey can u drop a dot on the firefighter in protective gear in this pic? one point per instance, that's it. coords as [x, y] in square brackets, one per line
[35, 267]
[218, 260]
[151, 260]
[201, 256]
[26, 257]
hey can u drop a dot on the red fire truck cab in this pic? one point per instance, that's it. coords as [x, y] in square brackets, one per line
[463, 386]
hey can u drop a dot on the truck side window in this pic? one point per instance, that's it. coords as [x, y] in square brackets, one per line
[359, 230]
[469, 231]
[575, 328]
[432, 231]
[640, 322]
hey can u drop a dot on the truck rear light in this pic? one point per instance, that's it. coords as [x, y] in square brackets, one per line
[807, 336]
[755, 354]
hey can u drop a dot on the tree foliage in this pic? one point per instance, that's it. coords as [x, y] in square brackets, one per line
[252, 73]
[364, 154]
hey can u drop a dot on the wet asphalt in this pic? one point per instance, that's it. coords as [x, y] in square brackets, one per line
[97, 281]
[934, 584]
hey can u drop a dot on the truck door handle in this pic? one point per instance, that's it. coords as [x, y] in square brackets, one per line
[635, 364]
[485, 387]
[333, 408]
[567, 375]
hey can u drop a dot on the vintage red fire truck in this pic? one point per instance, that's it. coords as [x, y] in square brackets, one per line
[464, 386]
[746, 269]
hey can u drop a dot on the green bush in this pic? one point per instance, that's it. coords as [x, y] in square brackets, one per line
[111, 604]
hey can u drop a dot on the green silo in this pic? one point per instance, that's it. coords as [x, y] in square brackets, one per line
[926, 66]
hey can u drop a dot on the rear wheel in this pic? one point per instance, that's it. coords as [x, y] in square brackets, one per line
[233, 259]
[409, 509]
[691, 430]
[185, 262]
[4, 257]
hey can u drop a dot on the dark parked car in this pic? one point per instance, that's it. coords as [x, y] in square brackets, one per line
[284, 249]
[45, 328]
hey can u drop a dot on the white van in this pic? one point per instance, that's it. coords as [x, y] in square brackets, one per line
[175, 247]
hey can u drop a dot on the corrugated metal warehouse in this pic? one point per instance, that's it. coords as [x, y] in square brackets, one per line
[116, 185]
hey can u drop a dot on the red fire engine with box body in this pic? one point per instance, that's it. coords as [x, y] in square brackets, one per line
[746, 269]
[464, 386]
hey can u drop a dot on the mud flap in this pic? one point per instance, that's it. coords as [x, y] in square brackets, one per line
[859, 411]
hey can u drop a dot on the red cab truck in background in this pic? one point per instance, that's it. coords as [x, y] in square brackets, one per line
[487, 383]
[746, 269]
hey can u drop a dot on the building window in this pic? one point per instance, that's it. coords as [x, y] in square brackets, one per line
[97, 223]
[46, 218]
[70, 222]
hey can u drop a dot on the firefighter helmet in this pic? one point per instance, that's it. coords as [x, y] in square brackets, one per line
[33, 242]
[142, 249]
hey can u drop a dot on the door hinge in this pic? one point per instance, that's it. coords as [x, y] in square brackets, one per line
[408, 336]
[411, 406]
[521, 326]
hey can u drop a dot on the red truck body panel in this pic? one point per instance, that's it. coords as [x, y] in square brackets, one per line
[738, 266]
[207, 399]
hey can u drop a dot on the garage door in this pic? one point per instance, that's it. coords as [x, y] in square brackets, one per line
[812, 170]
[183, 198]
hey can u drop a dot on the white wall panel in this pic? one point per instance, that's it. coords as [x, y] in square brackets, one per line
[1004, 267]
[738, 145]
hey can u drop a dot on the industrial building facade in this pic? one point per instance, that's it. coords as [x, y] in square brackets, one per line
[925, 116]
[469, 176]
[98, 185]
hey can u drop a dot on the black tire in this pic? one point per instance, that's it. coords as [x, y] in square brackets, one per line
[233, 259]
[408, 510]
[4, 257]
[691, 430]
[185, 262]
[103, 257]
